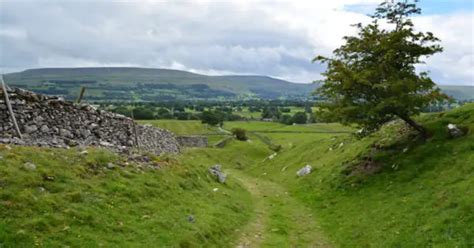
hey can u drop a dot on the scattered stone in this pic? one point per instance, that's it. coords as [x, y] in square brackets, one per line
[191, 219]
[29, 166]
[405, 150]
[215, 189]
[304, 171]
[341, 145]
[41, 189]
[85, 152]
[454, 131]
[48, 178]
[217, 172]
[272, 156]
[110, 166]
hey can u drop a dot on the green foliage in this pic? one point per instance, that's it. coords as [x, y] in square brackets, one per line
[271, 112]
[143, 113]
[299, 118]
[371, 79]
[239, 134]
[212, 118]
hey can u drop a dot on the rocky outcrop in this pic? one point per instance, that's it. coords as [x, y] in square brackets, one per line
[52, 122]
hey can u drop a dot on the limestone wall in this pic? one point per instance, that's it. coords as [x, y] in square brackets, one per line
[193, 141]
[53, 122]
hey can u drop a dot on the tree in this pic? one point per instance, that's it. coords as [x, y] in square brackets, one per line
[299, 118]
[143, 113]
[211, 118]
[371, 79]
[239, 134]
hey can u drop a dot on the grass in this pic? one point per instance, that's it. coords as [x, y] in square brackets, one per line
[182, 127]
[75, 200]
[420, 198]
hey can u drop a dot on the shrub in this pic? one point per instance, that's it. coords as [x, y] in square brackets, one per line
[239, 133]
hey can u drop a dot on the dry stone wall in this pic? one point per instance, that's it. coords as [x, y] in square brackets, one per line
[52, 122]
[193, 141]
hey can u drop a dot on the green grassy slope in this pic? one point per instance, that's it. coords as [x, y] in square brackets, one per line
[420, 197]
[75, 200]
[115, 83]
[419, 194]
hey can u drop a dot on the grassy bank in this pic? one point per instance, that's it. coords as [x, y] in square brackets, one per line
[78, 200]
[420, 195]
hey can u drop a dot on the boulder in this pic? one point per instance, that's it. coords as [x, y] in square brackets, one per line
[304, 171]
[454, 131]
[29, 166]
[217, 172]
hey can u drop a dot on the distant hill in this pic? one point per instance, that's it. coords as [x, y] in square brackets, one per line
[146, 84]
[459, 92]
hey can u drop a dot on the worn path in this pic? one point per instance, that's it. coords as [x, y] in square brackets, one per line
[279, 220]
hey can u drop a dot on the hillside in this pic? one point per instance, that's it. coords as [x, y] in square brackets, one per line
[411, 194]
[152, 84]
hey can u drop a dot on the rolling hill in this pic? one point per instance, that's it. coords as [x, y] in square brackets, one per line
[152, 84]
[147, 84]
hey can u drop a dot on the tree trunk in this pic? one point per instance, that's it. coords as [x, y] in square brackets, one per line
[423, 132]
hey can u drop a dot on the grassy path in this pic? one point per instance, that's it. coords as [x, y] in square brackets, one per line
[280, 220]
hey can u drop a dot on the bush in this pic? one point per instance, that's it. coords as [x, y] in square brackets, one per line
[239, 133]
[143, 113]
[299, 118]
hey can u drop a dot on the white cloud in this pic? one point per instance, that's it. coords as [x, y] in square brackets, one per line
[242, 37]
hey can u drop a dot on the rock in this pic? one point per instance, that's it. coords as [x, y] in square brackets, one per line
[304, 171]
[48, 178]
[191, 219]
[216, 171]
[85, 152]
[65, 133]
[44, 129]
[106, 144]
[272, 156]
[31, 129]
[454, 131]
[215, 189]
[110, 166]
[29, 166]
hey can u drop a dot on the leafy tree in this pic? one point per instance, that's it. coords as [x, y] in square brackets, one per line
[371, 79]
[143, 113]
[299, 118]
[285, 119]
[164, 113]
[271, 112]
[211, 117]
[239, 133]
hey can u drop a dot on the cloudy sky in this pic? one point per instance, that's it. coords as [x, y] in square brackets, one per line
[275, 38]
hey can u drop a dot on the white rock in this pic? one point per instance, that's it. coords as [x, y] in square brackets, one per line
[272, 156]
[215, 189]
[29, 166]
[304, 171]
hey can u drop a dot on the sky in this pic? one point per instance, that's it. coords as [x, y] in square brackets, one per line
[215, 37]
